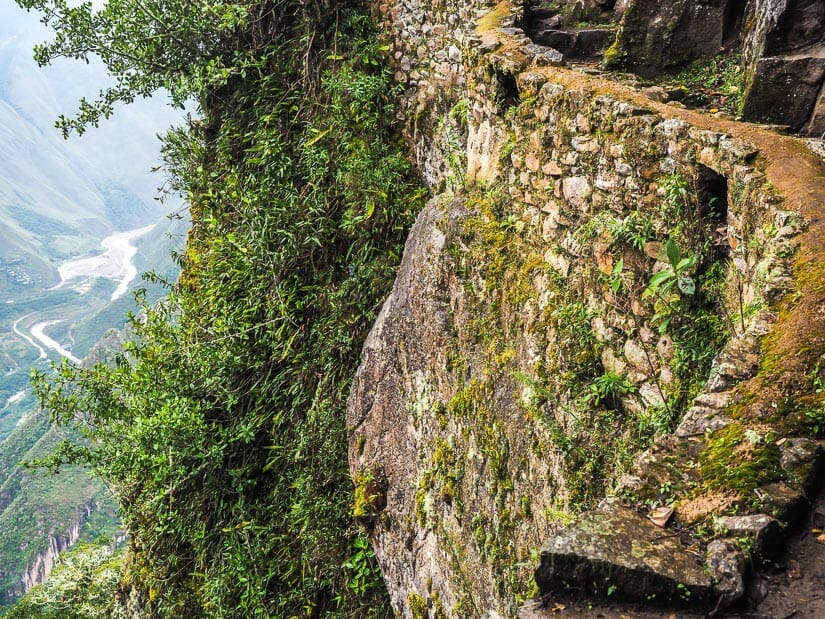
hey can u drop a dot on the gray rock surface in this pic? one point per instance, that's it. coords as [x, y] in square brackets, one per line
[765, 533]
[615, 552]
[656, 36]
[784, 90]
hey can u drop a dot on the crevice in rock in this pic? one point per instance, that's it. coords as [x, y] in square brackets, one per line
[507, 93]
[712, 203]
[732, 25]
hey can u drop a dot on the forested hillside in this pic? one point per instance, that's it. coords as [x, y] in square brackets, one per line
[221, 427]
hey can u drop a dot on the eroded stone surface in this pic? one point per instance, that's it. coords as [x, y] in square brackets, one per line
[785, 90]
[728, 567]
[661, 35]
[614, 551]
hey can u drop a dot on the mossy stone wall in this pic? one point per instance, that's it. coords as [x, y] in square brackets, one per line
[519, 365]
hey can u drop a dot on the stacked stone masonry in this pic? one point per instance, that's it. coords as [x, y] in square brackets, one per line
[535, 163]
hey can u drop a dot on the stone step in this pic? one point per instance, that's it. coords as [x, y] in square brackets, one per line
[574, 43]
[615, 553]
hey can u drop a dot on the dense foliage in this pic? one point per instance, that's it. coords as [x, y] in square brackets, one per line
[221, 427]
[82, 585]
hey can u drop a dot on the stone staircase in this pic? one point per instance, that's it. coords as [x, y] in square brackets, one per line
[546, 27]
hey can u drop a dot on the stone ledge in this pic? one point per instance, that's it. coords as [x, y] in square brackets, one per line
[614, 552]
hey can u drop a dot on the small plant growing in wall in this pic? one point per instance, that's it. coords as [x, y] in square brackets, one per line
[608, 390]
[670, 284]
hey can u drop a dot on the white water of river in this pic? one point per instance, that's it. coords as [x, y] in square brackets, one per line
[115, 263]
[38, 332]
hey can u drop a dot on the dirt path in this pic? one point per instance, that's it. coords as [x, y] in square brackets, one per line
[795, 585]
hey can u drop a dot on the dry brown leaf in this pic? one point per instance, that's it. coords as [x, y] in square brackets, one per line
[660, 515]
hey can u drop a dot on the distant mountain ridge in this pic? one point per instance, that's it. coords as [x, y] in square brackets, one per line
[91, 185]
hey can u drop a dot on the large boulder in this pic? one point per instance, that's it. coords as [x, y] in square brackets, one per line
[784, 90]
[799, 24]
[660, 36]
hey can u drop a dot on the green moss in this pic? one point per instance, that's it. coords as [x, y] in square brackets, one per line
[369, 497]
[421, 503]
[738, 459]
[468, 402]
[417, 605]
[614, 56]
[438, 607]
[447, 473]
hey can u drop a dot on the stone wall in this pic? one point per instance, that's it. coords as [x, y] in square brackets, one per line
[425, 37]
[518, 353]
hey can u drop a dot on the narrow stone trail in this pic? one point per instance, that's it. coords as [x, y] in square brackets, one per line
[799, 175]
[793, 585]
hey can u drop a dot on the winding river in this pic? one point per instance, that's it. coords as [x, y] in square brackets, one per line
[114, 263]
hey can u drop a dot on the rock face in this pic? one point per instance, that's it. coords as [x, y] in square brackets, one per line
[476, 417]
[461, 482]
[783, 43]
[659, 36]
[42, 563]
[613, 549]
[785, 60]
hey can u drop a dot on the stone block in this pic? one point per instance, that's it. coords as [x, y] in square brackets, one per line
[614, 551]
[765, 533]
[784, 90]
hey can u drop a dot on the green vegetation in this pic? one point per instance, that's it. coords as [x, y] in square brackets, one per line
[82, 585]
[418, 605]
[221, 427]
[739, 459]
[718, 81]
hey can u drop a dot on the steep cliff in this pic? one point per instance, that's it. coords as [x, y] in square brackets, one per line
[43, 562]
[596, 279]
[606, 323]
